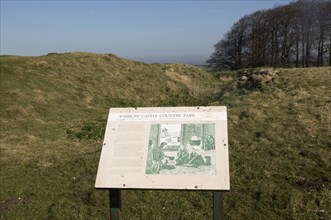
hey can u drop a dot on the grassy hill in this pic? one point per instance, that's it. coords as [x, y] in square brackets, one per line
[53, 113]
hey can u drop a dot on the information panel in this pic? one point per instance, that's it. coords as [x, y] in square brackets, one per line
[165, 148]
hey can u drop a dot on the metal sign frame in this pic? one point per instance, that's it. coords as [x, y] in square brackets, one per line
[180, 148]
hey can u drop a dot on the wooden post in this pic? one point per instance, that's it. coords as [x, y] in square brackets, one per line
[218, 212]
[115, 204]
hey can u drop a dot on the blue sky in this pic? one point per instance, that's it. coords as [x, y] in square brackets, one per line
[148, 31]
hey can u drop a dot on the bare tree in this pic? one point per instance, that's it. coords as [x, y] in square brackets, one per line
[284, 36]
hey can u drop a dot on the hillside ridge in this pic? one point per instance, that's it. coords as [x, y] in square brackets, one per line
[53, 113]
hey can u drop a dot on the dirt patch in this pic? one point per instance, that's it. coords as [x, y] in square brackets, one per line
[226, 78]
[257, 79]
[178, 77]
[237, 191]
[42, 64]
[17, 112]
[310, 185]
[13, 202]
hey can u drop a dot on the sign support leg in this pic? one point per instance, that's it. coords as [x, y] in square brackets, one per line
[218, 212]
[115, 204]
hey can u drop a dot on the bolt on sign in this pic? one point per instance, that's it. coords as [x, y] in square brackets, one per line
[165, 148]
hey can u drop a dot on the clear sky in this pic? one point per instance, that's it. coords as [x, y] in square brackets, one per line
[148, 31]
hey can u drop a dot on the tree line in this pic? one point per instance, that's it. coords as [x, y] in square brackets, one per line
[293, 35]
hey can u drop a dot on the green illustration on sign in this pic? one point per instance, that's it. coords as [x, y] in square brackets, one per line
[181, 149]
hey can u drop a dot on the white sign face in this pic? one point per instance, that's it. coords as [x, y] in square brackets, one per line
[165, 148]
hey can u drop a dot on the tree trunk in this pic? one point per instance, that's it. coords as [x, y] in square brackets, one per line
[308, 52]
[297, 52]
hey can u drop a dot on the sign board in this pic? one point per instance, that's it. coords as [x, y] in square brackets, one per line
[165, 148]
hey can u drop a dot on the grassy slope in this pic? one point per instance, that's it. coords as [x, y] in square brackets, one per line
[53, 111]
[280, 140]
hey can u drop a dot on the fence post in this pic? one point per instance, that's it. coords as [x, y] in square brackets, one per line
[115, 204]
[218, 212]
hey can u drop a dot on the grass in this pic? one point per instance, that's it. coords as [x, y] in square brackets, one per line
[54, 109]
[280, 146]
